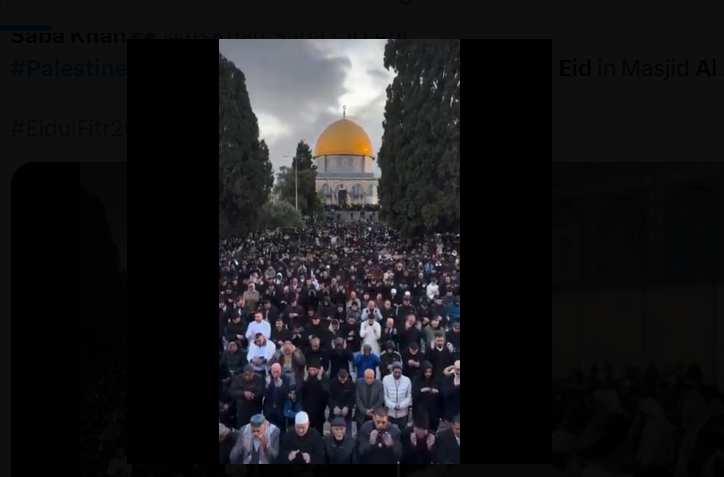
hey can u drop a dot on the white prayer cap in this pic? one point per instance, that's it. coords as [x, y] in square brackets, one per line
[301, 418]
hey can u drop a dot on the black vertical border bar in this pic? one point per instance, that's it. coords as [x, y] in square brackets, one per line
[43, 266]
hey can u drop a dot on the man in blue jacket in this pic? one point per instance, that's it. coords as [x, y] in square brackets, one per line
[366, 360]
[453, 309]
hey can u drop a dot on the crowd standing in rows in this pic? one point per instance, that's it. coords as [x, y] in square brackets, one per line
[664, 422]
[345, 325]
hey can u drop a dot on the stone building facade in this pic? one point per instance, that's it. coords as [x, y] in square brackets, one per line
[638, 265]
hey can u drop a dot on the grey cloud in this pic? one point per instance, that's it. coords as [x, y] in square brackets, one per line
[378, 74]
[293, 81]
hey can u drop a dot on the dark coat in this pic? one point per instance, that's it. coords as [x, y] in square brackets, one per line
[346, 453]
[451, 398]
[274, 402]
[417, 454]
[378, 453]
[448, 450]
[246, 408]
[226, 446]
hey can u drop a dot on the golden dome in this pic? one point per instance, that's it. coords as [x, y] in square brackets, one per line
[343, 137]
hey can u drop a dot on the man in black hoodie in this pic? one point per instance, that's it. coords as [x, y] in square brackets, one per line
[342, 399]
[427, 397]
[326, 309]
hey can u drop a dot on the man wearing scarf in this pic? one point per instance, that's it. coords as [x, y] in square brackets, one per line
[258, 443]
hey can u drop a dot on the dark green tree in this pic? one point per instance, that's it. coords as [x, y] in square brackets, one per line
[301, 185]
[280, 214]
[419, 190]
[245, 172]
[303, 157]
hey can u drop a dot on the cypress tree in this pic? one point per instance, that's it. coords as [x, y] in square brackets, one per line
[419, 190]
[303, 157]
[245, 172]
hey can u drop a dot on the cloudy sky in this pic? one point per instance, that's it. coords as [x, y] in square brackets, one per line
[298, 87]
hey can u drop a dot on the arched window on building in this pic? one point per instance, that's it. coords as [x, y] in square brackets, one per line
[566, 244]
[692, 234]
[371, 191]
[325, 189]
[623, 232]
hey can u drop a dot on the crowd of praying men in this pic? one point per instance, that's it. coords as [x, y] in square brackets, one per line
[338, 344]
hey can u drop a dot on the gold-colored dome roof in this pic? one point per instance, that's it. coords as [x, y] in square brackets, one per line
[343, 137]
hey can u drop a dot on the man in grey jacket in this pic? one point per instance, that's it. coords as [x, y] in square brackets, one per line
[370, 396]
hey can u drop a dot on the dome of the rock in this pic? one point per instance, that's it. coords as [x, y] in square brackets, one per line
[342, 138]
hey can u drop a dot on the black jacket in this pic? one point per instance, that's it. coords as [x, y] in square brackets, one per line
[417, 453]
[274, 400]
[339, 359]
[448, 450]
[342, 395]
[386, 360]
[226, 446]
[428, 402]
[450, 398]
[344, 453]
[233, 329]
[412, 371]
[378, 453]
[312, 444]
